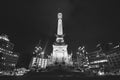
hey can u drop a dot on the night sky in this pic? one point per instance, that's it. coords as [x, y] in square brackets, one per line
[85, 22]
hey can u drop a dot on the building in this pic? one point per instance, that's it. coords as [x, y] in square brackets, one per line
[8, 58]
[38, 61]
[98, 61]
[114, 59]
[82, 59]
[103, 61]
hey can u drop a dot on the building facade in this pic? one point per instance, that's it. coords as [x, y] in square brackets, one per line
[38, 60]
[8, 58]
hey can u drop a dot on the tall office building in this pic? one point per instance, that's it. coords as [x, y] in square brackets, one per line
[38, 61]
[82, 58]
[8, 58]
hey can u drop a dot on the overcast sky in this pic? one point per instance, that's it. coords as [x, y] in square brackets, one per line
[84, 21]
